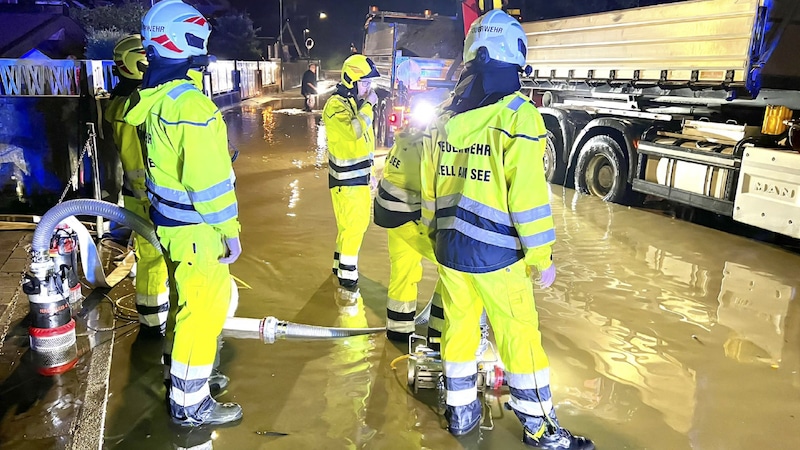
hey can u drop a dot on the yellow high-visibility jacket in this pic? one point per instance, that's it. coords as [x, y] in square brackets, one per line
[126, 138]
[351, 141]
[190, 179]
[398, 199]
[484, 192]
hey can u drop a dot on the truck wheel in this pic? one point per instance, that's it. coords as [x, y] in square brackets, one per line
[601, 171]
[380, 125]
[555, 170]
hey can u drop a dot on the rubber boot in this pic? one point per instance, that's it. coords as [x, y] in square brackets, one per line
[555, 439]
[218, 414]
[462, 420]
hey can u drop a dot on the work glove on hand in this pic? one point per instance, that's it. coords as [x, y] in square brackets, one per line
[547, 277]
[372, 98]
[233, 248]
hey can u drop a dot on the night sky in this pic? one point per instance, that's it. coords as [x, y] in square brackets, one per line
[346, 17]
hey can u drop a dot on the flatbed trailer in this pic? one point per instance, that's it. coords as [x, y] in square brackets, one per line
[693, 102]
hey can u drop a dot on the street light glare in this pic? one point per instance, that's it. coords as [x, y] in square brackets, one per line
[322, 15]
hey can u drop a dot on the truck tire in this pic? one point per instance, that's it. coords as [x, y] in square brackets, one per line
[602, 171]
[380, 124]
[555, 170]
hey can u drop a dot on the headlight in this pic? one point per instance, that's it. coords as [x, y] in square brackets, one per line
[423, 113]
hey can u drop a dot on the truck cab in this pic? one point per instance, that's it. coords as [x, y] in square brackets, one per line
[417, 56]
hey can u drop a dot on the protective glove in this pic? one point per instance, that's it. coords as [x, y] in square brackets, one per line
[372, 98]
[233, 248]
[547, 277]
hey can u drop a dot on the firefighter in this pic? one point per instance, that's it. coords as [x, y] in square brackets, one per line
[397, 208]
[152, 296]
[347, 116]
[190, 184]
[487, 202]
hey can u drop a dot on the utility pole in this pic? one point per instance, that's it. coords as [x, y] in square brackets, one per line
[280, 37]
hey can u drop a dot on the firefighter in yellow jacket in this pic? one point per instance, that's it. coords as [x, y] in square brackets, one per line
[152, 298]
[487, 201]
[351, 142]
[190, 184]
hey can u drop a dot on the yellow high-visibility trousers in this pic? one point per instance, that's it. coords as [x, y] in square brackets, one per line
[152, 292]
[507, 296]
[352, 206]
[408, 245]
[200, 295]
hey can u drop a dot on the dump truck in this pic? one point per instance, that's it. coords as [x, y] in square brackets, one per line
[417, 55]
[693, 102]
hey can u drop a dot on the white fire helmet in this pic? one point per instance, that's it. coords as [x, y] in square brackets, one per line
[175, 30]
[501, 34]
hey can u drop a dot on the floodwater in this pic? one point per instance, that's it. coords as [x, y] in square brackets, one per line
[662, 334]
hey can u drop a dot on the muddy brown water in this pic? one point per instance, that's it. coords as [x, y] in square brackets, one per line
[662, 334]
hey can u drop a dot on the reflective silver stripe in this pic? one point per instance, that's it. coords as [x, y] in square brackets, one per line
[479, 234]
[460, 369]
[211, 193]
[426, 221]
[539, 239]
[154, 320]
[189, 399]
[463, 397]
[430, 205]
[473, 206]
[348, 162]
[404, 195]
[401, 307]
[366, 118]
[349, 174]
[357, 128]
[181, 215]
[537, 380]
[347, 274]
[187, 372]
[436, 323]
[397, 206]
[532, 215]
[531, 408]
[172, 195]
[135, 174]
[401, 326]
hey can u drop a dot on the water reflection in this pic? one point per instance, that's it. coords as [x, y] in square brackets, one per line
[268, 121]
[350, 381]
[644, 297]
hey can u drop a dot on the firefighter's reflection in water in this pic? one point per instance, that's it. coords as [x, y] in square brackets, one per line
[351, 374]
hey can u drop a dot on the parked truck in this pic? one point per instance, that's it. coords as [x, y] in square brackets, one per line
[693, 102]
[417, 56]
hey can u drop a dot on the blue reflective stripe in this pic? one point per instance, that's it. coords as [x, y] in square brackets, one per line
[542, 394]
[531, 215]
[187, 386]
[187, 122]
[477, 233]
[349, 174]
[460, 383]
[523, 136]
[539, 239]
[208, 194]
[180, 89]
[165, 193]
[219, 217]
[516, 103]
[171, 212]
[485, 211]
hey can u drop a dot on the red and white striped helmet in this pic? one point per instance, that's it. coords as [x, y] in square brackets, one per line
[175, 30]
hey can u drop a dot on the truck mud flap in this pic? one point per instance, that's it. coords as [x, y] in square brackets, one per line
[768, 193]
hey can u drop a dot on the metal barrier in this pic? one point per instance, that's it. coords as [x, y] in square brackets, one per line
[74, 78]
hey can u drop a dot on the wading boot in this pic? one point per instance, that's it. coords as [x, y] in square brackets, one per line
[463, 419]
[555, 439]
[218, 414]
